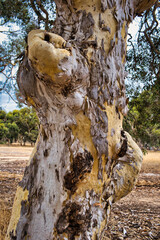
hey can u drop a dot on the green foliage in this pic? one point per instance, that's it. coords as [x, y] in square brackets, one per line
[19, 125]
[2, 115]
[143, 119]
[14, 10]
[12, 134]
[3, 132]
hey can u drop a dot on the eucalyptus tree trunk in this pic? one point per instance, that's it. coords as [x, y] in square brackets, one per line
[83, 160]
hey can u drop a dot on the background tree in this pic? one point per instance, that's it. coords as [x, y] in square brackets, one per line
[2, 115]
[12, 134]
[19, 125]
[3, 133]
[28, 125]
[143, 66]
[143, 118]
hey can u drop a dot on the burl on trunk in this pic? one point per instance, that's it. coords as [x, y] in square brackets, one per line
[83, 160]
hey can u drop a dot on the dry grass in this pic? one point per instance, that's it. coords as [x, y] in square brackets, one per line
[8, 185]
[5, 213]
[151, 162]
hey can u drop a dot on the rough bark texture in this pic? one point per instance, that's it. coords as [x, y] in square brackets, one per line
[83, 161]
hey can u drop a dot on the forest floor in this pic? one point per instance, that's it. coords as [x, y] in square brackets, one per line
[135, 217]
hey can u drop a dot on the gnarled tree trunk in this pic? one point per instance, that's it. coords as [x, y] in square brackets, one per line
[83, 160]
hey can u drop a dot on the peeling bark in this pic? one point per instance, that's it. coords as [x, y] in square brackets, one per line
[83, 161]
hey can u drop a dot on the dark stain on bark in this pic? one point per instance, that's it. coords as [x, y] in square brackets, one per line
[46, 153]
[94, 223]
[117, 111]
[45, 137]
[97, 237]
[12, 236]
[25, 230]
[24, 207]
[44, 217]
[57, 174]
[67, 89]
[82, 164]
[124, 145]
[73, 220]
[40, 193]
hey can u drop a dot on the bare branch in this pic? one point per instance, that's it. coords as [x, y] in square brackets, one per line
[149, 30]
[45, 11]
[151, 43]
[150, 25]
[142, 5]
[40, 17]
[133, 47]
[10, 96]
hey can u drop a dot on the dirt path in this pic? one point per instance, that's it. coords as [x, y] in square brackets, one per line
[137, 216]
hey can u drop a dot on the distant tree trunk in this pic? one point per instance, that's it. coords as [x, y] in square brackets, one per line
[83, 160]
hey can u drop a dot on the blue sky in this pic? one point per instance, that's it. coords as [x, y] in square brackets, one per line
[7, 103]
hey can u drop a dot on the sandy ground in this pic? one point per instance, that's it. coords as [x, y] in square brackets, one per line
[137, 216]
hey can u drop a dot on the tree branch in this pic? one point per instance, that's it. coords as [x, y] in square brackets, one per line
[9, 32]
[141, 5]
[149, 30]
[40, 17]
[45, 11]
[151, 43]
[10, 96]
